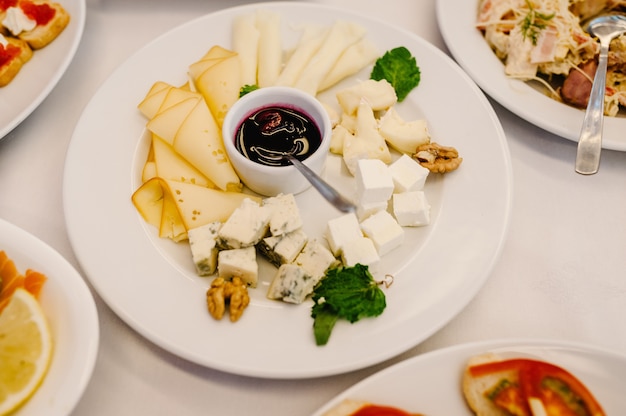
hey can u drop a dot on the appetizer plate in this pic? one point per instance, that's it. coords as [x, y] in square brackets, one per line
[40, 75]
[431, 383]
[151, 283]
[73, 319]
[457, 22]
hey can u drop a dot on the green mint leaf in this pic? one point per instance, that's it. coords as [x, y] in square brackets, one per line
[398, 67]
[348, 293]
[246, 89]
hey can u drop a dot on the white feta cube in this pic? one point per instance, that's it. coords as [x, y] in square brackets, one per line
[203, 245]
[342, 230]
[246, 226]
[284, 248]
[361, 251]
[363, 211]
[238, 262]
[384, 231]
[374, 183]
[290, 284]
[285, 216]
[408, 174]
[411, 209]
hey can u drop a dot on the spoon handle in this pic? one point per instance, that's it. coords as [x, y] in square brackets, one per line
[327, 191]
[590, 141]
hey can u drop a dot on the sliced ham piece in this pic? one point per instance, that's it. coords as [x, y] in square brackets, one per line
[577, 87]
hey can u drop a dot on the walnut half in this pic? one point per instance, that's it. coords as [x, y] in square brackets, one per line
[437, 158]
[233, 293]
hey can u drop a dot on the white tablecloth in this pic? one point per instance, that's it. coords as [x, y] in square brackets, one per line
[561, 274]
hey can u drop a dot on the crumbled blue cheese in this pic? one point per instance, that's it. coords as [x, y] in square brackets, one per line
[341, 230]
[408, 174]
[361, 251]
[246, 226]
[411, 209]
[284, 248]
[384, 231]
[240, 262]
[285, 216]
[290, 284]
[203, 244]
[374, 183]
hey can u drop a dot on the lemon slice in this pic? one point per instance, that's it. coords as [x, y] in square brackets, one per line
[25, 349]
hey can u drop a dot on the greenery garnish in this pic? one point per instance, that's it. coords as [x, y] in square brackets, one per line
[534, 22]
[399, 68]
[349, 293]
[247, 88]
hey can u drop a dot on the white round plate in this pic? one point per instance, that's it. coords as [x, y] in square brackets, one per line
[151, 283]
[73, 319]
[40, 75]
[457, 23]
[430, 384]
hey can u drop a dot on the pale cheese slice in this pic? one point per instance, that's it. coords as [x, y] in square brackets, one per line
[270, 52]
[246, 44]
[168, 164]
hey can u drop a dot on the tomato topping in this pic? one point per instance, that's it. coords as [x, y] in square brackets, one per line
[8, 54]
[560, 392]
[40, 13]
[5, 4]
[376, 410]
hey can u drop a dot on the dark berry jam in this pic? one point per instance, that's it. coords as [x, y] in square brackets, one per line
[269, 132]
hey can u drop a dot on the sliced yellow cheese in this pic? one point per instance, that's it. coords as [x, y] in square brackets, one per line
[199, 141]
[219, 84]
[153, 99]
[246, 45]
[166, 123]
[168, 164]
[198, 205]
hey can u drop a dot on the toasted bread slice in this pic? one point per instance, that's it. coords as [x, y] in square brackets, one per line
[349, 407]
[12, 57]
[475, 389]
[51, 19]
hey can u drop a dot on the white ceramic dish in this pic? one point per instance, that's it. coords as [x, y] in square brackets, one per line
[72, 316]
[457, 22]
[430, 383]
[152, 285]
[40, 75]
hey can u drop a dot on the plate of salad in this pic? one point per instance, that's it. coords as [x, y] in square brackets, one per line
[152, 282]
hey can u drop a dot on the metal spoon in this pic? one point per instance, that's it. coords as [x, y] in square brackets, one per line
[605, 28]
[327, 191]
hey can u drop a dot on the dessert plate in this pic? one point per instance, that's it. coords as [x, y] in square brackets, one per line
[430, 384]
[73, 318]
[40, 75]
[457, 22]
[151, 283]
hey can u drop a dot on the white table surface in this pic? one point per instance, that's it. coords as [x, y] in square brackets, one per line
[561, 274]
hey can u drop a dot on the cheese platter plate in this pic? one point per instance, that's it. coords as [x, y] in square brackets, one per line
[151, 282]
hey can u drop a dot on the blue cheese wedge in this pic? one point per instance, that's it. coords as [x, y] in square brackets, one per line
[238, 262]
[203, 244]
[246, 226]
[285, 216]
[384, 231]
[290, 284]
[284, 248]
[315, 258]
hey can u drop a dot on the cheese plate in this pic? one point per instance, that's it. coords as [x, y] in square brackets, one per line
[151, 283]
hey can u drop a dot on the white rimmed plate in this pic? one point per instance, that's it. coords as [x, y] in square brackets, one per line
[151, 283]
[73, 319]
[431, 383]
[40, 75]
[457, 22]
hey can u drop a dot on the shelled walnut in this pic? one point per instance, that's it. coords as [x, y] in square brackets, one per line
[233, 293]
[437, 158]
